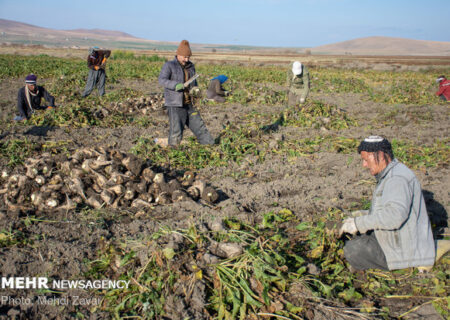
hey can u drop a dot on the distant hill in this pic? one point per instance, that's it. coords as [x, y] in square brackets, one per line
[385, 46]
[17, 27]
[102, 33]
[14, 32]
[22, 33]
[24, 29]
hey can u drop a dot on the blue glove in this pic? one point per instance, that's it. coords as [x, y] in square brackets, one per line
[179, 87]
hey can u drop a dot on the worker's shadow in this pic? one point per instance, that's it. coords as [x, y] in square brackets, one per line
[273, 127]
[39, 131]
[437, 213]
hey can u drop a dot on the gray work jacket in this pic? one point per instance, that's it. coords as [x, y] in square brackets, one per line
[399, 219]
[171, 74]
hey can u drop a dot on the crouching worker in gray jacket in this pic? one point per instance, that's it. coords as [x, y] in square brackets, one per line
[396, 232]
[179, 99]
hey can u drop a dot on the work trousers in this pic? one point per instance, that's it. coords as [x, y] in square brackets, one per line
[364, 252]
[293, 99]
[211, 94]
[95, 78]
[216, 98]
[179, 117]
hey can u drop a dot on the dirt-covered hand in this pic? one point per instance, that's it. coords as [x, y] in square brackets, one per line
[359, 213]
[349, 226]
[195, 92]
[179, 87]
[20, 118]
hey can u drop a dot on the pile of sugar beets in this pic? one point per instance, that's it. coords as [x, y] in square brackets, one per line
[100, 178]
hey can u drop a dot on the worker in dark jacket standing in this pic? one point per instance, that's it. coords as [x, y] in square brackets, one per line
[96, 63]
[444, 88]
[178, 95]
[29, 98]
[215, 90]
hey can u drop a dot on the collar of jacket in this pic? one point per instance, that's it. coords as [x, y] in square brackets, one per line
[383, 173]
[188, 65]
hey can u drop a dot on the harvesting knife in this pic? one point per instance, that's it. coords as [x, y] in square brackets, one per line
[190, 80]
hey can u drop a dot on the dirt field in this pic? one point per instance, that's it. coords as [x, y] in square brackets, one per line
[306, 185]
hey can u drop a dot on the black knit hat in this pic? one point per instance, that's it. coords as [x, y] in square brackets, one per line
[375, 144]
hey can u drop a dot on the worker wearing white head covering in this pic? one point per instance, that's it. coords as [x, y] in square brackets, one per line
[298, 83]
[395, 233]
[297, 68]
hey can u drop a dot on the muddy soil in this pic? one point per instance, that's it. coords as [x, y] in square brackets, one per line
[306, 185]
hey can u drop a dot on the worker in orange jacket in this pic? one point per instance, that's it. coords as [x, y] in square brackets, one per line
[96, 63]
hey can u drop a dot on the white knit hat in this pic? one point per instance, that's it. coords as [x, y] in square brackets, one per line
[372, 139]
[296, 68]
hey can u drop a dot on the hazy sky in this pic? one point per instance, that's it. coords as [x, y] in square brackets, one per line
[285, 23]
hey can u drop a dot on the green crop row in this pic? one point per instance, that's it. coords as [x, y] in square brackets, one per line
[414, 156]
[316, 114]
[233, 145]
[249, 83]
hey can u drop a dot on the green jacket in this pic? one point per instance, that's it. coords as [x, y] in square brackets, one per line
[298, 85]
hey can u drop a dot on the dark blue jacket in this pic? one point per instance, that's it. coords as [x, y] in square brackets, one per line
[171, 74]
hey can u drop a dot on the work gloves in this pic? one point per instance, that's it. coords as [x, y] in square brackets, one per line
[348, 226]
[179, 87]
